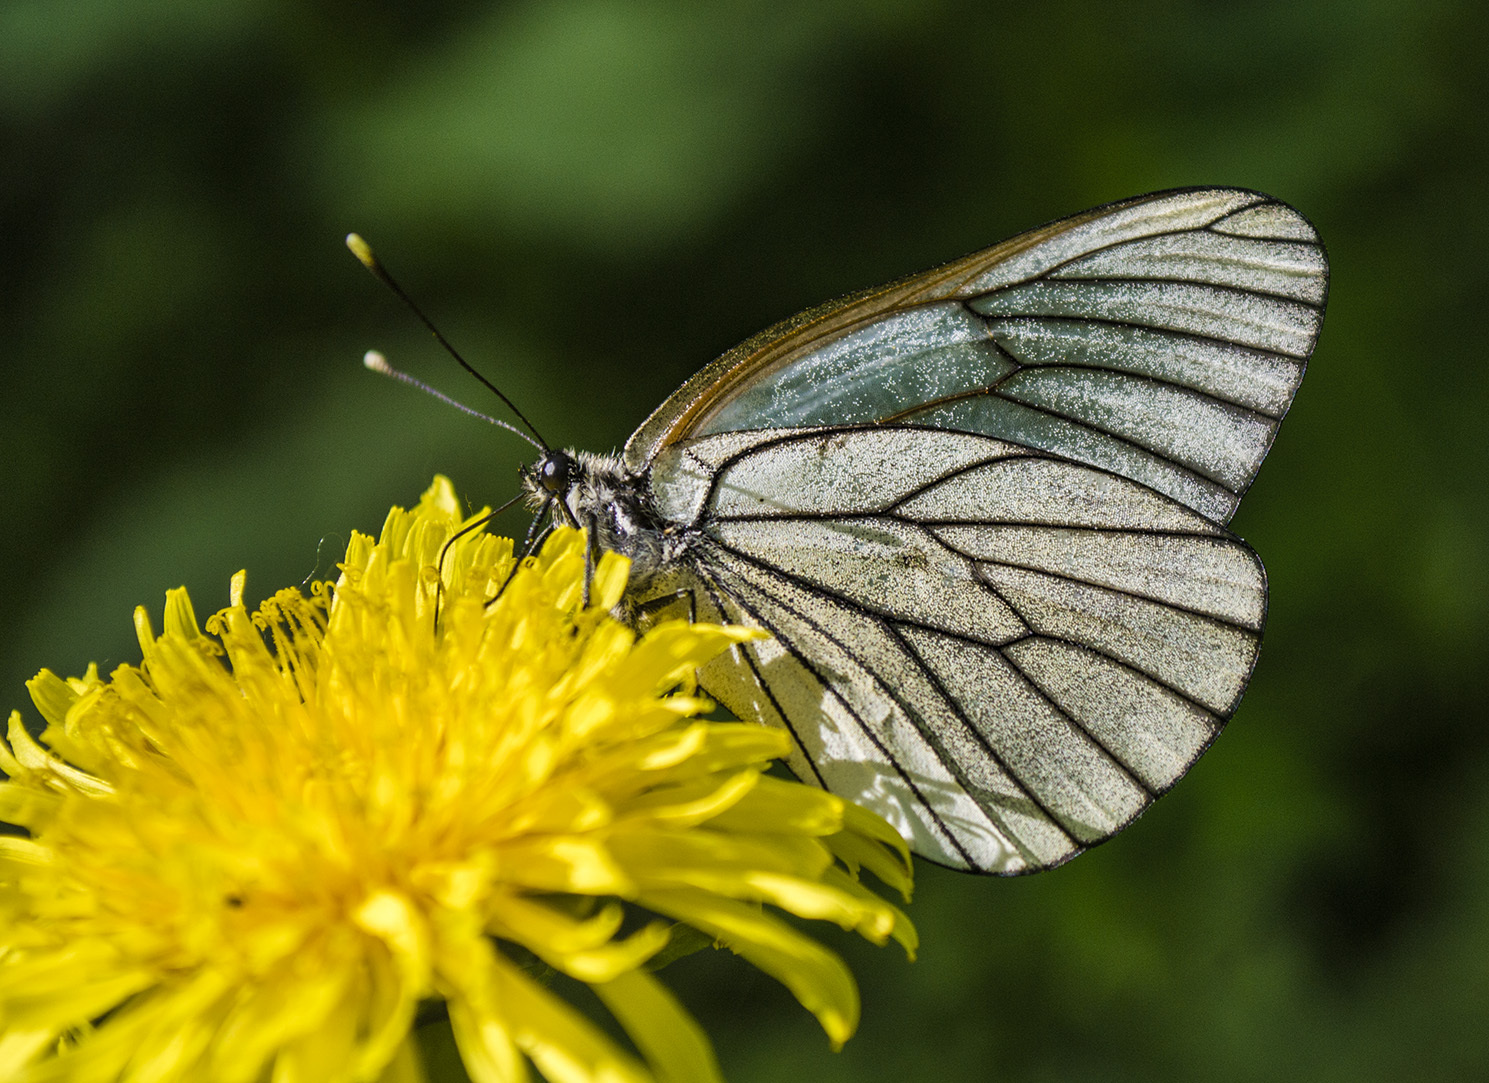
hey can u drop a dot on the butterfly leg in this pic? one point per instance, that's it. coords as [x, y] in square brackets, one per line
[439, 566]
[645, 614]
[591, 557]
[530, 543]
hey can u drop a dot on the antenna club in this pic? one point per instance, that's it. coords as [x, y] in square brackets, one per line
[375, 361]
[361, 250]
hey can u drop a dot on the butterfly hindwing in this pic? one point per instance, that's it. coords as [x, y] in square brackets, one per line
[988, 645]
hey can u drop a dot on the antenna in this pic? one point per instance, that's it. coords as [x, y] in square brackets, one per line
[377, 363]
[363, 252]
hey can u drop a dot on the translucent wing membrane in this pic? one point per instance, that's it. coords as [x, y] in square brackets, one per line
[1008, 655]
[1161, 339]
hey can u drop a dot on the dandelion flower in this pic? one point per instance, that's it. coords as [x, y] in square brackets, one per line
[255, 855]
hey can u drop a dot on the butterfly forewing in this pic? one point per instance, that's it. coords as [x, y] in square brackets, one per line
[1161, 338]
[981, 513]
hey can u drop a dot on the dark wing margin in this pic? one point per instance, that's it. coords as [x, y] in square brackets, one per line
[1160, 338]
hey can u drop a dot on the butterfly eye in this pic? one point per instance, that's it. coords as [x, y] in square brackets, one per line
[555, 471]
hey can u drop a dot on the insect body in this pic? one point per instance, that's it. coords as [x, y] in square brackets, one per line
[982, 513]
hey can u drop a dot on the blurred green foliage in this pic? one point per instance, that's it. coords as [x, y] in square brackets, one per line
[595, 197]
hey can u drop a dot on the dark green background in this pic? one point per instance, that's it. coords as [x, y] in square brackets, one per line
[593, 199]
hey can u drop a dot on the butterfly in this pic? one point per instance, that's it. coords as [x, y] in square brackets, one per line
[981, 513]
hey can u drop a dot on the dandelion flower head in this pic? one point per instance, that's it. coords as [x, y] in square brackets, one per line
[255, 855]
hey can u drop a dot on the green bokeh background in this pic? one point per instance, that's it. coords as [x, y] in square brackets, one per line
[594, 198]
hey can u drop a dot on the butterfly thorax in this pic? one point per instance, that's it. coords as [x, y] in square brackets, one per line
[601, 495]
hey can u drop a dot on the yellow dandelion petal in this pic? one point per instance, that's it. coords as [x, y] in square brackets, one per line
[277, 1017]
[26, 761]
[817, 977]
[692, 802]
[583, 866]
[673, 1044]
[54, 697]
[566, 1047]
[486, 1045]
[17, 852]
[395, 919]
[255, 854]
[775, 806]
[710, 859]
[879, 920]
[887, 858]
[406, 1065]
[327, 1052]
[528, 921]
[20, 1046]
[609, 961]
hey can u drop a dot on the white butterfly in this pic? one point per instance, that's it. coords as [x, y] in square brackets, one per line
[981, 512]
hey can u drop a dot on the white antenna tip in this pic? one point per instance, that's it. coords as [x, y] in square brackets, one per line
[376, 362]
[361, 250]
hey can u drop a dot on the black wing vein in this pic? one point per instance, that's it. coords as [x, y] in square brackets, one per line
[1108, 321]
[805, 659]
[883, 621]
[1064, 715]
[1156, 280]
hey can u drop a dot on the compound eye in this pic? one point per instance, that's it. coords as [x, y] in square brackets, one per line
[555, 471]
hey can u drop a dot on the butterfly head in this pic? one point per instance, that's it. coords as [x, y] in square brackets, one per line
[554, 474]
[551, 481]
[599, 494]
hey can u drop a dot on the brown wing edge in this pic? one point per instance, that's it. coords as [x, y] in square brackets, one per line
[675, 417]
